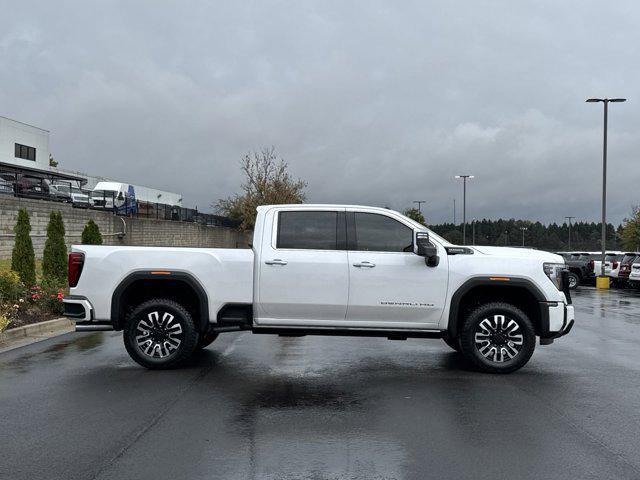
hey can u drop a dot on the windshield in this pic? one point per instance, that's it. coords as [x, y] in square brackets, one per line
[628, 258]
[103, 193]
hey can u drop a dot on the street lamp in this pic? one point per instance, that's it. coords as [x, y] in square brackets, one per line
[524, 229]
[569, 218]
[601, 283]
[464, 206]
[419, 202]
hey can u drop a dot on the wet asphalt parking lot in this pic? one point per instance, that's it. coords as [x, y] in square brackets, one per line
[258, 406]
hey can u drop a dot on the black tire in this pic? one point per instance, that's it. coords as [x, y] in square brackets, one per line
[491, 341]
[454, 343]
[574, 280]
[206, 339]
[160, 341]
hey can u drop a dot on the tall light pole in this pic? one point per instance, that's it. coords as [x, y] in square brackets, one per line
[569, 218]
[524, 229]
[605, 102]
[419, 202]
[464, 206]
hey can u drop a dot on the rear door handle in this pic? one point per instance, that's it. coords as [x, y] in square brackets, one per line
[275, 261]
[364, 264]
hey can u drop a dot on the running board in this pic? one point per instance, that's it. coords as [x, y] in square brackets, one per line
[390, 334]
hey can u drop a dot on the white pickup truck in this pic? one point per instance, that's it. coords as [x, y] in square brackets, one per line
[324, 270]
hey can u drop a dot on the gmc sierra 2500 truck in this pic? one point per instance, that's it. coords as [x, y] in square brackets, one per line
[324, 270]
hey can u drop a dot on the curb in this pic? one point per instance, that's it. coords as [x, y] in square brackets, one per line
[21, 336]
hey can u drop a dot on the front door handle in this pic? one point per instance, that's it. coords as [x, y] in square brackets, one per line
[275, 261]
[364, 264]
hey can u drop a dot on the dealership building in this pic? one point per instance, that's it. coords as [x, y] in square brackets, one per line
[24, 152]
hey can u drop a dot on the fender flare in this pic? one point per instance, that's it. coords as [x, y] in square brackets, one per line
[187, 278]
[519, 282]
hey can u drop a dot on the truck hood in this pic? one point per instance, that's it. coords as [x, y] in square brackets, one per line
[511, 252]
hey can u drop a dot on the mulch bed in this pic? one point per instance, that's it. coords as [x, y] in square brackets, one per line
[31, 316]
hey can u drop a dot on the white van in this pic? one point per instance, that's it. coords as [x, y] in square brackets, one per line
[114, 195]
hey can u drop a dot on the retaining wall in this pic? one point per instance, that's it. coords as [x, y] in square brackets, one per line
[139, 231]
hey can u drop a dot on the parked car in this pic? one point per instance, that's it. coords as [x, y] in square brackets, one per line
[70, 194]
[634, 274]
[611, 262]
[32, 187]
[625, 267]
[324, 270]
[580, 267]
[6, 183]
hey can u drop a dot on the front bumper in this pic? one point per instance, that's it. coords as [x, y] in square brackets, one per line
[561, 321]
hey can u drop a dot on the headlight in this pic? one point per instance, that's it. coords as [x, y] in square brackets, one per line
[554, 272]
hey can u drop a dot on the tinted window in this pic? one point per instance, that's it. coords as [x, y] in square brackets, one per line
[627, 259]
[379, 233]
[23, 151]
[308, 230]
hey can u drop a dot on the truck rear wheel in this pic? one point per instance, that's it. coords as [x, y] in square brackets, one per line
[498, 338]
[160, 334]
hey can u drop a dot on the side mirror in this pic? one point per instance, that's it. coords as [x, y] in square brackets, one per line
[427, 250]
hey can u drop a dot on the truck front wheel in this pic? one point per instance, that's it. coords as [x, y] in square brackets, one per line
[160, 334]
[498, 338]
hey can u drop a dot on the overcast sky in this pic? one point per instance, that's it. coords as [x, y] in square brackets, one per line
[377, 103]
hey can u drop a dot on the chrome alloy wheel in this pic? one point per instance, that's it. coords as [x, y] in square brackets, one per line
[498, 338]
[159, 335]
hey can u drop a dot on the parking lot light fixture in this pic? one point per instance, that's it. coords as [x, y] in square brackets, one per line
[464, 206]
[602, 281]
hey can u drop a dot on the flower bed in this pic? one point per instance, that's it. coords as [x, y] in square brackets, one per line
[21, 306]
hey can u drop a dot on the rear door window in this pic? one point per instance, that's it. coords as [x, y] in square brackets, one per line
[308, 230]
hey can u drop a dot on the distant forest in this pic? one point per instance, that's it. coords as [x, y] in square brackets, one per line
[553, 237]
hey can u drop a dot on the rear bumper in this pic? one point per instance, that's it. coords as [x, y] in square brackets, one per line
[78, 308]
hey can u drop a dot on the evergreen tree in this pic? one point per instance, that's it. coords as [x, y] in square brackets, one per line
[23, 260]
[54, 260]
[91, 234]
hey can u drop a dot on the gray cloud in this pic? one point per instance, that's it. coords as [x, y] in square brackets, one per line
[370, 103]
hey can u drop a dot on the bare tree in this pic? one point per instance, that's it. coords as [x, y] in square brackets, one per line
[267, 182]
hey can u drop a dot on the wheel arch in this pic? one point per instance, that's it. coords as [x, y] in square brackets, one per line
[517, 291]
[181, 287]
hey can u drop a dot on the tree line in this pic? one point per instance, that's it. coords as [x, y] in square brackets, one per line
[267, 181]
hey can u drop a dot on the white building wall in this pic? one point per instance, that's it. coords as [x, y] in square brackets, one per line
[12, 132]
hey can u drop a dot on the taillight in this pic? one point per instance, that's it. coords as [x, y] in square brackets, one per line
[614, 265]
[76, 262]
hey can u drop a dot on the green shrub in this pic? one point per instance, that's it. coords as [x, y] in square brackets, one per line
[91, 234]
[23, 260]
[11, 289]
[54, 259]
